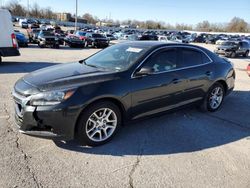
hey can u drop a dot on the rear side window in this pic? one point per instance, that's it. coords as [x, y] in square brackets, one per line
[163, 61]
[190, 57]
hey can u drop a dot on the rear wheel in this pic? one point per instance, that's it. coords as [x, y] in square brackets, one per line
[246, 54]
[98, 124]
[40, 45]
[214, 98]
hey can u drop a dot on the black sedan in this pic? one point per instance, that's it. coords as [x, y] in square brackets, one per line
[91, 99]
[74, 42]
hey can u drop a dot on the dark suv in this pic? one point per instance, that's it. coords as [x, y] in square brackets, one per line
[47, 38]
[96, 40]
[233, 49]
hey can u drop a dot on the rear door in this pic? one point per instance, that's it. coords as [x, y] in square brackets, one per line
[198, 69]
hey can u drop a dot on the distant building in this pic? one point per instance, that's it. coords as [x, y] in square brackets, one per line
[65, 17]
[79, 20]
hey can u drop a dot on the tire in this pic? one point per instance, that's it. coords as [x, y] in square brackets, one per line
[246, 54]
[207, 104]
[233, 55]
[90, 131]
[40, 45]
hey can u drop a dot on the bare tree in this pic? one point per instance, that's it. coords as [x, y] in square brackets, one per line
[237, 25]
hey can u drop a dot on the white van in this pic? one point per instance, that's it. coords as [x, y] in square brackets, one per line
[8, 42]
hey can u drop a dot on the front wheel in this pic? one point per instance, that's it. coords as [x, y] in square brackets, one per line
[214, 98]
[98, 124]
[233, 55]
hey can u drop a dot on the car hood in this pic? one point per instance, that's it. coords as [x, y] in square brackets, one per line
[101, 39]
[67, 75]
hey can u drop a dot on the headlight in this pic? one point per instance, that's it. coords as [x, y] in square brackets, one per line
[50, 98]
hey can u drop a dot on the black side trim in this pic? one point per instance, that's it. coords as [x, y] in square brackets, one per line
[9, 51]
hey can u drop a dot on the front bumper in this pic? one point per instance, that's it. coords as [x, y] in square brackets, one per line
[53, 122]
[49, 43]
[222, 52]
[102, 43]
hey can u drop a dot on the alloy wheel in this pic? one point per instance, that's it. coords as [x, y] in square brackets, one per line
[216, 98]
[101, 124]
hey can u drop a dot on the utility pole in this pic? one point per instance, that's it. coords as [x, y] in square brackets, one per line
[28, 7]
[76, 14]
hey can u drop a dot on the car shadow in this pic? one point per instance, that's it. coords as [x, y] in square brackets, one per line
[184, 131]
[22, 67]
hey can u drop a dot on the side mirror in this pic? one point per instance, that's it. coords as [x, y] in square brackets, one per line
[145, 71]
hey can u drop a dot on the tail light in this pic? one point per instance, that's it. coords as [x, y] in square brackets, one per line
[14, 42]
[248, 69]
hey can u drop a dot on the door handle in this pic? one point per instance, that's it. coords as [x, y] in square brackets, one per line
[209, 73]
[176, 81]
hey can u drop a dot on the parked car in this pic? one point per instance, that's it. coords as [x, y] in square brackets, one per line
[212, 39]
[90, 99]
[33, 35]
[8, 41]
[111, 37]
[233, 49]
[96, 40]
[60, 35]
[200, 39]
[47, 38]
[74, 42]
[220, 41]
[80, 34]
[21, 39]
[149, 37]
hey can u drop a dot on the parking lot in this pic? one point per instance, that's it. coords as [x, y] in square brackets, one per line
[185, 148]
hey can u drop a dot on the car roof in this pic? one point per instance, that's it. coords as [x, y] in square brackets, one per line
[157, 44]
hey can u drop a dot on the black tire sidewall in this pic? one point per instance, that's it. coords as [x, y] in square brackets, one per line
[81, 134]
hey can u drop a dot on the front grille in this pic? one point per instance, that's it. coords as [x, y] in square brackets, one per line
[20, 102]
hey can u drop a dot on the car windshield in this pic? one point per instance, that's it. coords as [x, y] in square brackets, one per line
[98, 36]
[229, 43]
[118, 57]
[81, 33]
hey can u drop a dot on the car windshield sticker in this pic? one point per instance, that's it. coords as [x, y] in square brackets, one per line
[135, 50]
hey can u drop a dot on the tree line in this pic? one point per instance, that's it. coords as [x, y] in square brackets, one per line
[235, 25]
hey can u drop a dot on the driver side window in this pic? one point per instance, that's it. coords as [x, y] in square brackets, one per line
[164, 60]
